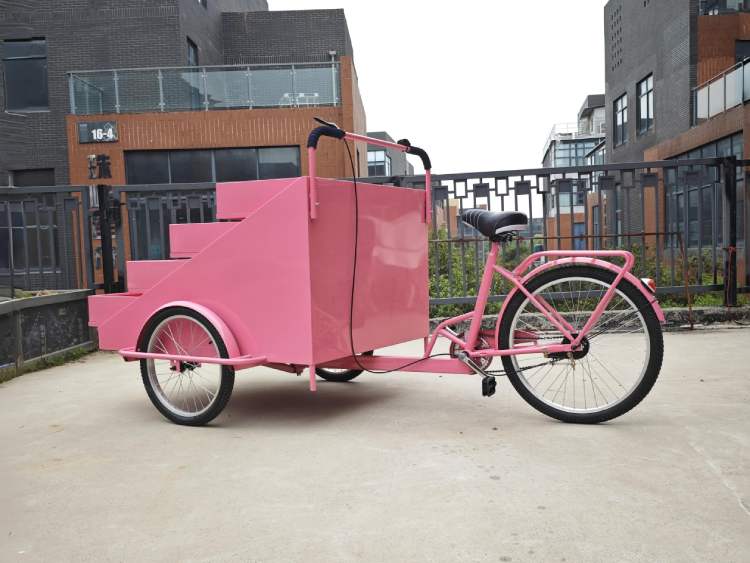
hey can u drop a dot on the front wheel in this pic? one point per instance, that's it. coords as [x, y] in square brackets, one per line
[617, 364]
[187, 393]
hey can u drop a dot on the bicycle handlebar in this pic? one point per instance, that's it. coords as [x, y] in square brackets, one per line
[332, 130]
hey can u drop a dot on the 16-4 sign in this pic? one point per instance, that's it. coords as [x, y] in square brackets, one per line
[97, 132]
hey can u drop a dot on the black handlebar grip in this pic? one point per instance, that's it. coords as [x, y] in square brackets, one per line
[324, 131]
[421, 153]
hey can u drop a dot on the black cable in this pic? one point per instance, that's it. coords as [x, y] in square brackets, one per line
[354, 281]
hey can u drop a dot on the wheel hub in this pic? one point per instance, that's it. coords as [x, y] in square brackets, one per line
[581, 352]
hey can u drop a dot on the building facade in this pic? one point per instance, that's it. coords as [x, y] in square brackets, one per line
[677, 86]
[195, 89]
[382, 161]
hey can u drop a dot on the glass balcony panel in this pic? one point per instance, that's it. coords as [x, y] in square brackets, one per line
[94, 93]
[199, 88]
[716, 97]
[746, 81]
[733, 88]
[138, 90]
[183, 89]
[272, 87]
[227, 88]
[315, 86]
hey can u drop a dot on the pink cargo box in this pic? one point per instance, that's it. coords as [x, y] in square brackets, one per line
[279, 281]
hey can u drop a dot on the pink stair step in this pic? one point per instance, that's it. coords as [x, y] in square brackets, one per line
[188, 239]
[102, 307]
[237, 200]
[144, 274]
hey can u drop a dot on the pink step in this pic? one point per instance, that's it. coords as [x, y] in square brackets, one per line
[102, 307]
[188, 239]
[143, 274]
[237, 200]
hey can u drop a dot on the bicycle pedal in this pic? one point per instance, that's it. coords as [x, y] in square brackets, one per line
[488, 386]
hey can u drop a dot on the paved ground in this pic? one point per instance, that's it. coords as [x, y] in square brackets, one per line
[387, 468]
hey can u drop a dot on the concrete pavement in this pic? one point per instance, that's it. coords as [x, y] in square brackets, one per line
[403, 467]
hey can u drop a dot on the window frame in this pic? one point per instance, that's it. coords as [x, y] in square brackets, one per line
[620, 110]
[648, 94]
[130, 173]
[36, 57]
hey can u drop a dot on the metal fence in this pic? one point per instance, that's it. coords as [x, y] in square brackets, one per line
[684, 220]
[45, 239]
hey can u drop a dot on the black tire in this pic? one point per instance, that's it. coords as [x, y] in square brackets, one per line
[340, 376]
[653, 327]
[227, 372]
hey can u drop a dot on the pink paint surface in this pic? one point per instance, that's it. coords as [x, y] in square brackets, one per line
[281, 282]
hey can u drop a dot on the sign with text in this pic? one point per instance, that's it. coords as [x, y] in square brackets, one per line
[97, 132]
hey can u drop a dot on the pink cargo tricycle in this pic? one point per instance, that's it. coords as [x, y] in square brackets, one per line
[312, 273]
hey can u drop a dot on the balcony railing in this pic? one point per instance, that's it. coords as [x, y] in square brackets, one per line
[723, 92]
[203, 88]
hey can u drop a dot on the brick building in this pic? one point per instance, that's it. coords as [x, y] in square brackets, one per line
[172, 89]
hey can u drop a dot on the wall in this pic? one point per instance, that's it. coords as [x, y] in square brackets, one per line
[82, 35]
[716, 37]
[286, 36]
[643, 37]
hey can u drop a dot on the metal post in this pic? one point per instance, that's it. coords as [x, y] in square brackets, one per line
[295, 98]
[71, 92]
[11, 262]
[248, 72]
[730, 224]
[160, 77]
[105, 230]
[117, 92]
[205, 88]
[333, 82]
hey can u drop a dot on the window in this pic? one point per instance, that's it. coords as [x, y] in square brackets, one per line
[37, 177]
[233, 165]
[621, 120]
[147, 167]
[278, 162]
[645, 99]
[203, 3]
[190, 166]
[741, 50]
[25, 67]
[579, 230]
[378, 163]
[220, 165]
[192, 52]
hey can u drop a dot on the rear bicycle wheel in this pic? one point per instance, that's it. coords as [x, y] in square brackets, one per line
[619, 359]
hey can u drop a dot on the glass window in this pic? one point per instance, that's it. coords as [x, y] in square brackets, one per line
[37, 177]
[192, 51]
[147, 167]
[203, 3]
[378, 163]
[25, 68]
[281, 162]
[621, 119]
[233, 165]
[645, 100]
[190, 166]
[741, 50]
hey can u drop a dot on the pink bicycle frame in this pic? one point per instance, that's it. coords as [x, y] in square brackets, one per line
[519, 281]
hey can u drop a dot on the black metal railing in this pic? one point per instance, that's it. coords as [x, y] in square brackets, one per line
[683, 219]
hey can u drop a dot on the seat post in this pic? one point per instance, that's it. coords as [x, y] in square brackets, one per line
[484, 293]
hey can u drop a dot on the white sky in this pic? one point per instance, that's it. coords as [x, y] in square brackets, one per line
[478, 84]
